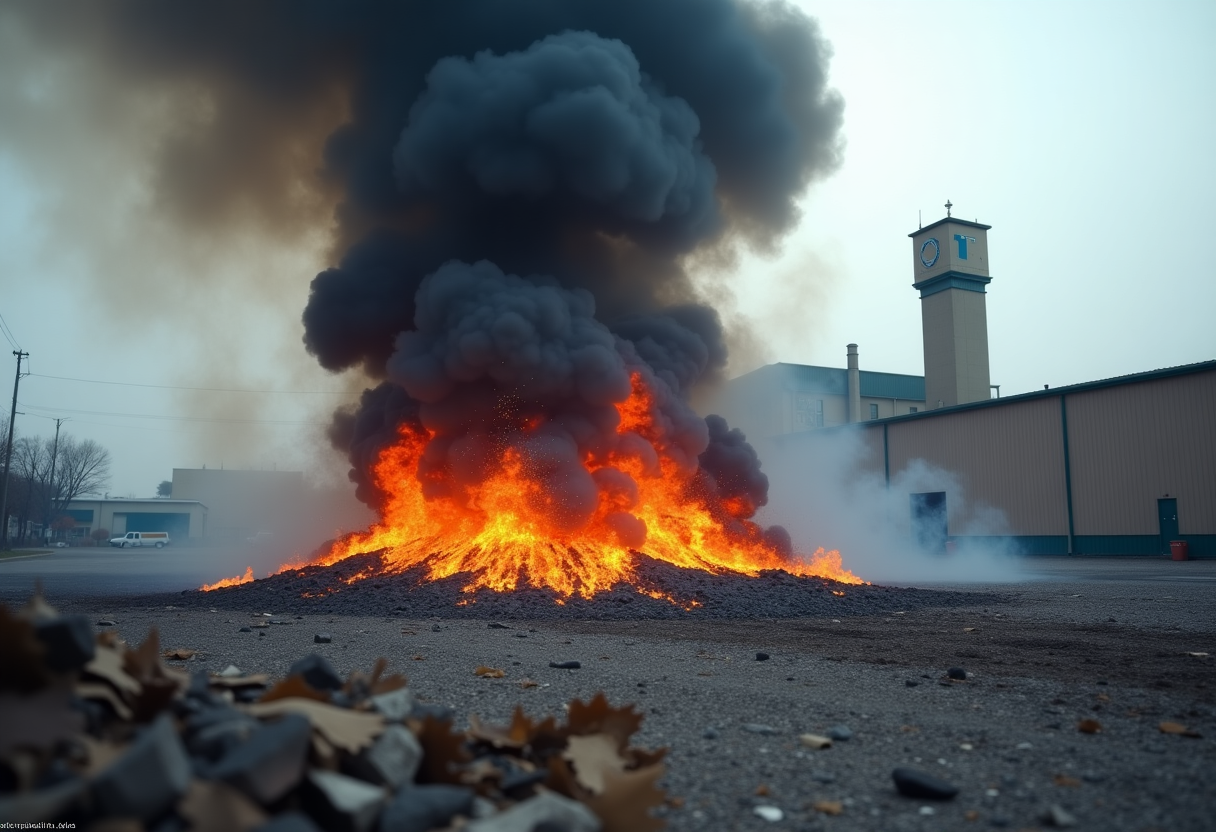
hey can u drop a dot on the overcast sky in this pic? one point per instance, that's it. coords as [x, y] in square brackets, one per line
[1082, 132]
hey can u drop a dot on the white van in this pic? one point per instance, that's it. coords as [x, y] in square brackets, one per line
[157, 539]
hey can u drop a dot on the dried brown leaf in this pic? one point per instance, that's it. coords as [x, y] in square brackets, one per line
[762, 791]
[1089, 726]
[179, 654]
[828, 807]
[293, 686]
[1178, 729]
[442, 751]
[489, 672]
[528, 683]
[144, 661]
[348, 730]
[593, 757]
[628, 797]
[644, 757]
[154, 696]
[1066, 781]
[104, 693]
[212, 806]
[598, 717]
[253, 680]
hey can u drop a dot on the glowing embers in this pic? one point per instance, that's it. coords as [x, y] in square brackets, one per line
[234, 581]
[507, 529]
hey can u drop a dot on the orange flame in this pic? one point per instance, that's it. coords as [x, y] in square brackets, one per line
[505, 533]
[234, 581]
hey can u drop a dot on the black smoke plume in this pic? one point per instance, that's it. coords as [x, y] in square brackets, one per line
[518, 184]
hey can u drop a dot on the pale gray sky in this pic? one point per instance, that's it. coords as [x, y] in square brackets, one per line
[1082, 132]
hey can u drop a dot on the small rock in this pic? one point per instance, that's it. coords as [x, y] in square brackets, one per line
[815, 741]
[912, 783]
[394, 705]
[149, 777]
[1058, 816]
[710, 734]
[769, 813]
[757, 728]
[841, 733]
[270, 763]
[395, 756]
[956, 673]
[927, 810]
[494, 625]
[105, 622]
[545, 811]
[762, 657]
[521, 634]
[245, 630]
[435, 628]
[999, 821]
[910, 684]
[317, 672]
[68, 641]
[566, 665]
[343, 803]
[422, 808]
[322, 638]
[823, 777]
[1090, 776]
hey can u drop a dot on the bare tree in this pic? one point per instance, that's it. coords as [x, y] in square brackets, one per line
[83, 468]
[30, 494]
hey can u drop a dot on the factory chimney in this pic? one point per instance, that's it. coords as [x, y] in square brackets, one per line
[854, 385]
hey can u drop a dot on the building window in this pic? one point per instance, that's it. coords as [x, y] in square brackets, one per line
[873, 411]
[911, 409]
[808, 412]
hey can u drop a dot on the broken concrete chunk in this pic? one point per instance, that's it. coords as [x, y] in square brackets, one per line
[343, 804]
[394, 705]
[395, 756]
[68, 640]
[149, 778]
[422, 808]
[317, 672]
[322, 638]
[270, 762]
[545, 811]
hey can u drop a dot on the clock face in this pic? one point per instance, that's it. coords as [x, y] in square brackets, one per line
[929, 251]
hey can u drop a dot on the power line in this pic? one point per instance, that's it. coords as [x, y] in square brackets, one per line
[8, 335]
[198, 389]
[169, 418]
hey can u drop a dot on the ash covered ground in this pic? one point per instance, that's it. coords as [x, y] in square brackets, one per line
[696, 594]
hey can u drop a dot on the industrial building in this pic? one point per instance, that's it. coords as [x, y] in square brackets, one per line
[182, 519]
[242, 504]
[1122, 466]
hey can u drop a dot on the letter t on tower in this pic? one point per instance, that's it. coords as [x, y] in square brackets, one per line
[950, 264]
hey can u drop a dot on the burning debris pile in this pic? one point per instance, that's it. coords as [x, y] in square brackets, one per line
[364, 585]
[523, 191]
[95, 732]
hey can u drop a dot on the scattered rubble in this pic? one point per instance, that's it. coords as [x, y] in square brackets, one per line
[96, 732]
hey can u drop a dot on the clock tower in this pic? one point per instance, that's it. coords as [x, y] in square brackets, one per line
[950, 268]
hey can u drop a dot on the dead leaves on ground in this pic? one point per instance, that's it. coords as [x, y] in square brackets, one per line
[1089, 726]
[1178, 729]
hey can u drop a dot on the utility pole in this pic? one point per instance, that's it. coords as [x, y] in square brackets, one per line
[8, 454]
[53, 489]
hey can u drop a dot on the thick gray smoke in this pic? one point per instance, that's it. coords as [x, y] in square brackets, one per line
[518, 186]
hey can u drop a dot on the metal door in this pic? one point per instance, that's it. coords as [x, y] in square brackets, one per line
[929, 521]
[1167, 518]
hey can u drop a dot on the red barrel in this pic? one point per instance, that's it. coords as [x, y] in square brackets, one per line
[1178, 550]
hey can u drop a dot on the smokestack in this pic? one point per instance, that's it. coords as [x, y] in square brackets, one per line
[854, 385]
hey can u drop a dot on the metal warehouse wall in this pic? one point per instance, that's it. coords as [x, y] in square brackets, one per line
[1132, 444]
[1009, 457]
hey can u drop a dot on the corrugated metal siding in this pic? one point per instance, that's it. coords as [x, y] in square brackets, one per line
[1131, 444]
[1011, 458]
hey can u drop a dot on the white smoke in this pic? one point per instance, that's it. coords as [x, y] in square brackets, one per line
[828, 489]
